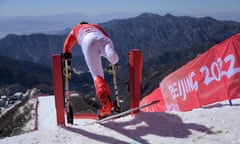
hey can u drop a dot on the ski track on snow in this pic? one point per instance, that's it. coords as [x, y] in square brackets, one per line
[215, 124]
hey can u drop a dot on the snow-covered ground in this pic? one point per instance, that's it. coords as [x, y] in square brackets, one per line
[46, 113]
[215, 124]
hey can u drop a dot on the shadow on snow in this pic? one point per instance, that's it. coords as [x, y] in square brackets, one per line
[159, 124]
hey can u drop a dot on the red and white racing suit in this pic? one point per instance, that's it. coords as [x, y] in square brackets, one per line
[95, 43]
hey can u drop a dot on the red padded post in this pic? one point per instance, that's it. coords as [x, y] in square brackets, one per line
[135, 77]
[58, 88]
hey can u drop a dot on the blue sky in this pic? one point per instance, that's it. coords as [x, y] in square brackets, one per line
[96, 7]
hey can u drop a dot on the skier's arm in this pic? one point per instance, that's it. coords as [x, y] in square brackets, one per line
[67, 55]
[69, 42]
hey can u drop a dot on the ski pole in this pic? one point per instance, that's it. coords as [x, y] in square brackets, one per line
[67, 95]
[66, 85]
[116, 88]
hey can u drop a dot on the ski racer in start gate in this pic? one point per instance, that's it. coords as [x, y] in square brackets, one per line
[94, 42]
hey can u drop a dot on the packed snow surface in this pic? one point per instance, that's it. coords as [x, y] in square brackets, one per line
[214, 124]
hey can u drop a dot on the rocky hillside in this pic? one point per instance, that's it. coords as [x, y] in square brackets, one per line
[158, 36]
[25, 73]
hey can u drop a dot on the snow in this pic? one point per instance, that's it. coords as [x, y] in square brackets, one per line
[46, 113]
[214, 124]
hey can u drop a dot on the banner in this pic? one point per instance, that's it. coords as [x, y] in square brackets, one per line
[155, 95]
[211, 77]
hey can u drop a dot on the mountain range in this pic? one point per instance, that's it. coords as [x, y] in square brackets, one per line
[167, 42]
[50, 24]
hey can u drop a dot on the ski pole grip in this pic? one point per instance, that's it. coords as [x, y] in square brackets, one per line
[67, 55]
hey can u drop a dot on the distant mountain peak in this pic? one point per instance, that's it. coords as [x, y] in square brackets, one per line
[148, 15]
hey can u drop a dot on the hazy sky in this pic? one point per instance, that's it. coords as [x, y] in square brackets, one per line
[96, 7]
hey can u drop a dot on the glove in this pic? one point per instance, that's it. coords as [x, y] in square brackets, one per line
[67, 68]
[109, 69]
[67, 56]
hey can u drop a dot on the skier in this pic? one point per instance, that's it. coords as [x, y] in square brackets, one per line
[94, 42]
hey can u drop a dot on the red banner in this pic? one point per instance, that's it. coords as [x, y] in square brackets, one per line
[211, 77]
[158, 107]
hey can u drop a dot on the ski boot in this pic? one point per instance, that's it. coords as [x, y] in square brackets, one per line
[107, 107]
[103, 94]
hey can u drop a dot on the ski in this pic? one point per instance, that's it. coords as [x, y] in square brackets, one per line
[101, 121]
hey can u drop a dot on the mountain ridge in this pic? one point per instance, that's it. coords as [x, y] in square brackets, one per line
[163, 40]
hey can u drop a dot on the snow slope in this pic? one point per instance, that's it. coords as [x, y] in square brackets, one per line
[46, 113]
[215, 124]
